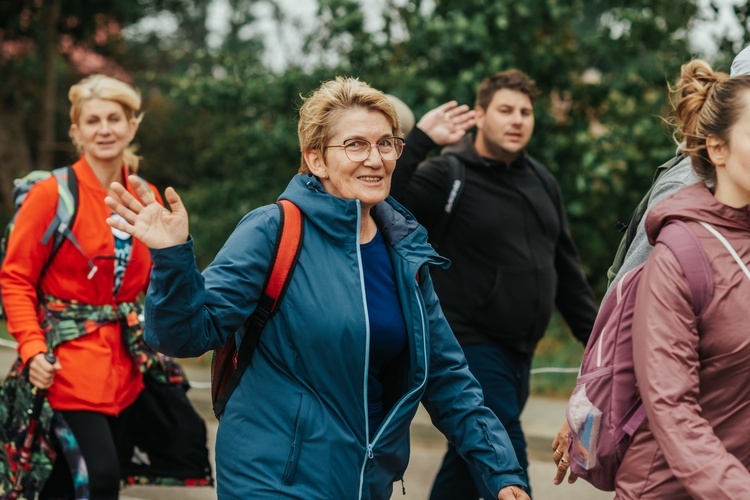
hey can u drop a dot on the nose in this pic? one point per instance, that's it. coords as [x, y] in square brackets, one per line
[104, 127]
[374, 158]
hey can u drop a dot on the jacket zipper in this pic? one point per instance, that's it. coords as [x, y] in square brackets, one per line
[400, 403]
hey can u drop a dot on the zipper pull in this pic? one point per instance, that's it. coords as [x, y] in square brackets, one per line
[403, 486]
[93, 271]
[370, 454]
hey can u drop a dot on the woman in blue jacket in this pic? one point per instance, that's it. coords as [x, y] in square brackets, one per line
[323, 410]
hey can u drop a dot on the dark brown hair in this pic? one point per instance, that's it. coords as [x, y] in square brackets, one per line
[512, 79]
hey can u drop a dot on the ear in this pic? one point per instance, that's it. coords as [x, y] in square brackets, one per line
[316, 163]
[133, 129]
[717, 151]
[479, 116]
[74, 132]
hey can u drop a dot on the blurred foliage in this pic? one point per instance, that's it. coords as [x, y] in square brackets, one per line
[558, 349]
[220, 125]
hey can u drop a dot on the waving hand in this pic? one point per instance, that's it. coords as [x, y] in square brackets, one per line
[145, 218]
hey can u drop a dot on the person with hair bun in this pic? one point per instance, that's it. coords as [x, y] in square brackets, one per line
[81, 291]
[359, 340]
[693, 374]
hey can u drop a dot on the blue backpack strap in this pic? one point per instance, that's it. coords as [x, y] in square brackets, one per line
[67, 208]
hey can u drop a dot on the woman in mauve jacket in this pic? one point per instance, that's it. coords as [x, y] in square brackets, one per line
[323, 410]
[693, 374]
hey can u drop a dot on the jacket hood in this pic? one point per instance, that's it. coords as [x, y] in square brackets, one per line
[339, 218]
[696, 202]
[741, 63]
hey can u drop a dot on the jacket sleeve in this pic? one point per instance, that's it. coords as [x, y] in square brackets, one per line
[418, 146]
[25, 259]
[574, 297]
[455, 402]
[421, 185]
[667, 365]
[189, 313]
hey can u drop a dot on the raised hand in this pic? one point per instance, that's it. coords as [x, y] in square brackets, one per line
[447, 123]
[145, 218]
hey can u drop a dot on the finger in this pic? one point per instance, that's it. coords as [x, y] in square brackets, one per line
[126, 199]
[142, 190]
[122, 211]
[556, 442]
[120, 224]
[466, 122]
[459, 111]
[447, 106]
[572, 478]
[172, 197]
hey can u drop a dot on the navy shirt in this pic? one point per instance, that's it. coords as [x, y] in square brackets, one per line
[387, 324]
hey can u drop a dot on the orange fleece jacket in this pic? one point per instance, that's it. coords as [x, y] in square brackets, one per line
[97, 373]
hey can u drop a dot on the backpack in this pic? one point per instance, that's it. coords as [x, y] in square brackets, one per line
[631, 228]
[605, 409]
[457, 170]
[67, 205]
[229, 362]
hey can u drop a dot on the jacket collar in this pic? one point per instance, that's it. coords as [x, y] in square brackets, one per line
[338, 218]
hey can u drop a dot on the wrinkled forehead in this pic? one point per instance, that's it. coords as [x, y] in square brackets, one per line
[360, 122]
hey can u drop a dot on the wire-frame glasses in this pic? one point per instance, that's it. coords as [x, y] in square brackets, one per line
[357, 150]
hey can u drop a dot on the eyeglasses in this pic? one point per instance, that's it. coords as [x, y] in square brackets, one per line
[358, 150]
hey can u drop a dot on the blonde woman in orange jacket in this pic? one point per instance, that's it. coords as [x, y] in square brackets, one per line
[95, 380]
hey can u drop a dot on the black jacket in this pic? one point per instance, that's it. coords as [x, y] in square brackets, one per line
[513, 258]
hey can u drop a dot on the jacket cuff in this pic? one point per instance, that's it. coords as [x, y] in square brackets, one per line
[31, 348]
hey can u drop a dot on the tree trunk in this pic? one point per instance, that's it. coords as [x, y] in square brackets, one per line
[15, 158]
[46, 146]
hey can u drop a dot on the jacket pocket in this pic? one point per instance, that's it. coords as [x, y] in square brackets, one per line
[300, 427]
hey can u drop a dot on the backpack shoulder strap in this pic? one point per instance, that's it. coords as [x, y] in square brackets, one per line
[686, 247]
[285, 255]
[688, 250]
[631, 228]
[545, 178]
[67, 209]
[457, 180]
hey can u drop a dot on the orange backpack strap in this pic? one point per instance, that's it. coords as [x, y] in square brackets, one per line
[230, 362]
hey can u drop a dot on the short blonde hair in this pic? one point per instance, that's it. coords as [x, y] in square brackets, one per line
[109, 89]
[321, 110]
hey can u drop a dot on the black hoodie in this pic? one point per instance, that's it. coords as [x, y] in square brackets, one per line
[513, 258]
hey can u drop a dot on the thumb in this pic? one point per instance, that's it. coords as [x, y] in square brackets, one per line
[174, 200]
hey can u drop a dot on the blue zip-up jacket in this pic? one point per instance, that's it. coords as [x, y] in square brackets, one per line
[296, 425]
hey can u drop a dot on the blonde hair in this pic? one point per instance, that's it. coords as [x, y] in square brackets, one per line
[320, 111]
[706, 103]
[109, 89]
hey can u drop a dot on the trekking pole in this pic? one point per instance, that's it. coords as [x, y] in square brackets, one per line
[25, 453]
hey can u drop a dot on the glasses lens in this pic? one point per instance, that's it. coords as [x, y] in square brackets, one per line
[357, 150]
[390, 149]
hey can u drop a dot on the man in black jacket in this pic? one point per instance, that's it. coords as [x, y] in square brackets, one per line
[513, 258]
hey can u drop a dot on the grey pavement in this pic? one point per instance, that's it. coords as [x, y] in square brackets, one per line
[541, 419]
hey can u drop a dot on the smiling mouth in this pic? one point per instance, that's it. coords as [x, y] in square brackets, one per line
[371, 179]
